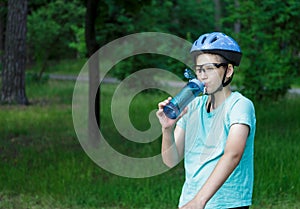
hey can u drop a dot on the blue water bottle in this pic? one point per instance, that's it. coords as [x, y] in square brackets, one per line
[192, 89]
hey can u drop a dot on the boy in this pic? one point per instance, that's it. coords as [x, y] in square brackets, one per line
[214, 134]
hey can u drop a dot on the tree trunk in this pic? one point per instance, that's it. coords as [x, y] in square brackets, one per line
[2, 30]
[94, 75]
[14, 60]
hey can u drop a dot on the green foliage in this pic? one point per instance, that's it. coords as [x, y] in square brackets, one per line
[268, 35]
[143, 61]
[267, 39]
[53, 28]
[79, 43]
[184, 18]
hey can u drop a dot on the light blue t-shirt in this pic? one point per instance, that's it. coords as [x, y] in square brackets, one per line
[205, 140]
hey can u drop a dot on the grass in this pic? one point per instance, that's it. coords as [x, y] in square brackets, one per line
[42, 162]
[43, 165]
[276, 148]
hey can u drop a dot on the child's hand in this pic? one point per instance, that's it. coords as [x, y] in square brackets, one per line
[163, 119]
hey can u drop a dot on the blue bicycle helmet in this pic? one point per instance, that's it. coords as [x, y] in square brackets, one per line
[219, 43]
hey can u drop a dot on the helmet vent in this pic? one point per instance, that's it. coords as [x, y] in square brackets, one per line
[214, 39]
[221, 44]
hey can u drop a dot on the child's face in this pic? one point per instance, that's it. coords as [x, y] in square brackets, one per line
[209, 72]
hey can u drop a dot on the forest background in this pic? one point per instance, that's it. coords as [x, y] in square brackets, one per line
[266, 30]
[57, 43]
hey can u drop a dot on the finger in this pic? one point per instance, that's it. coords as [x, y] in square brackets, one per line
[159, 112]
[160, 105]
[164, 103]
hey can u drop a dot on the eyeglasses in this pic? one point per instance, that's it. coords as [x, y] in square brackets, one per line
[208, 68]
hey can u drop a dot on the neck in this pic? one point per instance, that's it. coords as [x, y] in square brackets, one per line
[216, 99]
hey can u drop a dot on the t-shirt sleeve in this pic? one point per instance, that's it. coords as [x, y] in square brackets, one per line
[182, 122]
[242, 112]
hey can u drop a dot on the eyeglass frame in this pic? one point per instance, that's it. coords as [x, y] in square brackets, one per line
[216, 65]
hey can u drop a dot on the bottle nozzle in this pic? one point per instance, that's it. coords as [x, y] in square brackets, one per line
[189, 74]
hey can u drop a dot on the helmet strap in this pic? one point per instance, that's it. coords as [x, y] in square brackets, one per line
[223, 84]
[211, 103]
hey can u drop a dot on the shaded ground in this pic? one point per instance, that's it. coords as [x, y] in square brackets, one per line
[114, 80]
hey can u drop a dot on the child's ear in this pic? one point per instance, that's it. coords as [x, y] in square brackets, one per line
[230, 70]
